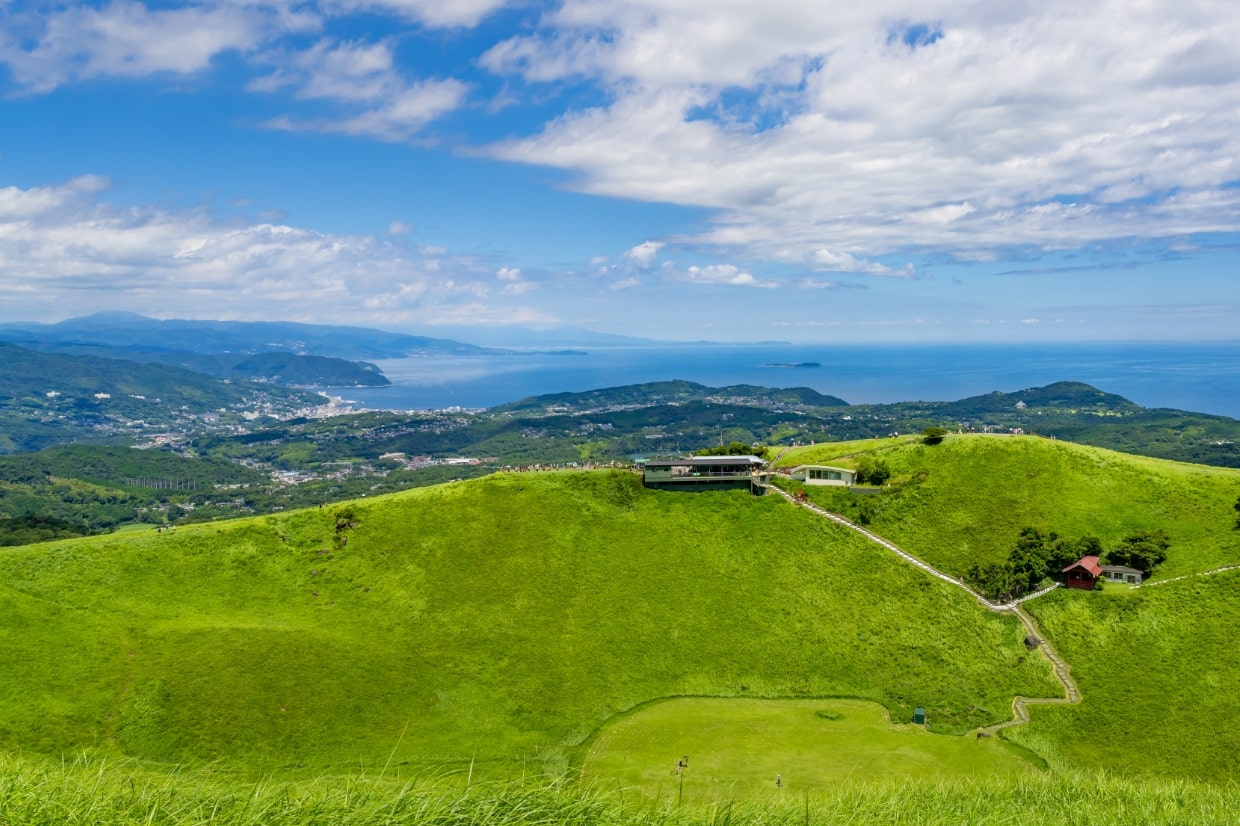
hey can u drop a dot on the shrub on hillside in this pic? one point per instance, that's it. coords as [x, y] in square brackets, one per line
[871, 471]
[1144, 550]
[933, 435]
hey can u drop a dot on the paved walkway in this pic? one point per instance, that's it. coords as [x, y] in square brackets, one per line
[908, 557]
[1020, 712]
[1217, 570]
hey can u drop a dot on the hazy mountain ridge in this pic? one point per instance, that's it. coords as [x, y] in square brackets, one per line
[112, 329]
[281, 367]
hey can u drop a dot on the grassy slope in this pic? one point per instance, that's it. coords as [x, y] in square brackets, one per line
[966, 500]
[1159, 668]
[1157, 665]
[502, 619]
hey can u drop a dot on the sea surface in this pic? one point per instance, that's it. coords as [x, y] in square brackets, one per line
[1203, 378]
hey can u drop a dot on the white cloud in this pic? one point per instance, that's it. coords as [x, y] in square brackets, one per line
[725, 274]
[624, 284]
[643, 254]
[837, 126]
[351, 71]
[508, 274]
[437, 13]
[518, 287]
[374, 98]
[128, 39]
[831, 260]
[63, 250]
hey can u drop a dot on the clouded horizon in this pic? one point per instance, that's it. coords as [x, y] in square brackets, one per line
[901, 171]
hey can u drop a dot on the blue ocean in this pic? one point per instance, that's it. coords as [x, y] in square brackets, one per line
[1203, 378]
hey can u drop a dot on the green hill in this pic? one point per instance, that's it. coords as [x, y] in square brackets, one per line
[966, 500]
[499, 621]
[492, 629]
[1156, 665]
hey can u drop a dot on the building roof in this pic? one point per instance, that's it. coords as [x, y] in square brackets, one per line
[1122, 569]
[1089, 563]
[822, 467]
[694, 461]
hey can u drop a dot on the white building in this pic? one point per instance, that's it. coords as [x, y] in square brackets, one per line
[825, 475]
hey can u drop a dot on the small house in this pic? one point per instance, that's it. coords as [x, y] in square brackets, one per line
[1083, 573]
[1122, 573]
[825, 475]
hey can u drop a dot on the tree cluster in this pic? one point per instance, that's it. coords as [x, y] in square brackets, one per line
[1037, 557]
[732, 449]
[871, 471]
[933, 435]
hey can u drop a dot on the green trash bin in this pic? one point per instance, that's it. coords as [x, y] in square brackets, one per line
[919, 716]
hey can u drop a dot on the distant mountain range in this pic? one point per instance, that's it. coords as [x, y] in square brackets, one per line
[121, 330]
[279, 367]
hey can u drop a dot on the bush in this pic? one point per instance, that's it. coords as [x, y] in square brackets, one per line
[873, 471]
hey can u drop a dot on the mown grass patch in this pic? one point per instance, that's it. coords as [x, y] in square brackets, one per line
[737, 748]
[1158, 669]
[495, 623]
[966, 500]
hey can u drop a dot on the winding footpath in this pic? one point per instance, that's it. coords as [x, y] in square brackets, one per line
[1020, 710]
[1217, 570]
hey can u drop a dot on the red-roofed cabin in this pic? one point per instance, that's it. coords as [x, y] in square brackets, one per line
[1083, 573]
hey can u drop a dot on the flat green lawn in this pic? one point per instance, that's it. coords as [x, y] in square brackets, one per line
[736, 747]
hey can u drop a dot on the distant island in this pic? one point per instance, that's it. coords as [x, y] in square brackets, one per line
[789, 364]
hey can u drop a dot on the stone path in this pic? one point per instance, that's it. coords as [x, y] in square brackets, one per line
[1020, 712]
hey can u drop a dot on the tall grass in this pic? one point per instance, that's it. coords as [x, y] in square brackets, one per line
[93, 793]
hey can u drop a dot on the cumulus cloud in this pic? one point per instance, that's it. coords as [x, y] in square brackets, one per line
[643, 254]
[898, 125]
[825, 259]
[724, 274]
[62, 247]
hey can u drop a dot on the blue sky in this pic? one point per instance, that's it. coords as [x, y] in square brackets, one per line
[732, 170]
